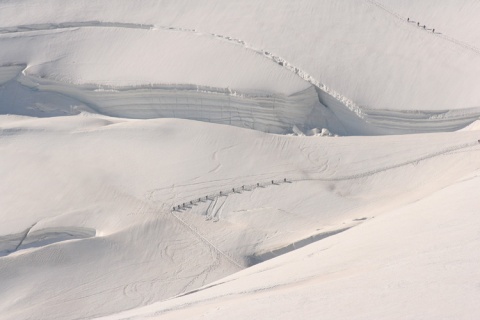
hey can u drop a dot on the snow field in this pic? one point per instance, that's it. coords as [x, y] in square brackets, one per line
[112, 113]
[103, 224]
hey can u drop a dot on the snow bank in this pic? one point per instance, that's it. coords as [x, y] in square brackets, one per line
[383, 70]
[265, 112]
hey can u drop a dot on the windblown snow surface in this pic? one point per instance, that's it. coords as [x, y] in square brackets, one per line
[239, 159]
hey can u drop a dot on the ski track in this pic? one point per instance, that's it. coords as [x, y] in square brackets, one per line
[206, 241]
[216, 215]
[204, 273]
[211, 207]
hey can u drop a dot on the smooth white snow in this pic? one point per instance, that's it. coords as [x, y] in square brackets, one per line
[212, 159]
[419, 262]
[100, 192]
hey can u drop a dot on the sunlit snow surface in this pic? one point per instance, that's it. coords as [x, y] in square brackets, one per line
[220, 159]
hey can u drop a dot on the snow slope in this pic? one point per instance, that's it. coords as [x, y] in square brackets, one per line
[145, 171]
[419, 262]
[87, 222]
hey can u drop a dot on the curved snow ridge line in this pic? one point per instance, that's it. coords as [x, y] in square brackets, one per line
[46, 236]
[352, 106]
[67, 25]
[207, 242]
[440, 35]
[12, 242]
[238, 190]
[42, 237]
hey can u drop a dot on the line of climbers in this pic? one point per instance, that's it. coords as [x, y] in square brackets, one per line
[418, 25]
[221, 193]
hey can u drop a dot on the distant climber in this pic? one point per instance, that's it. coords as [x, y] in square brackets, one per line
[258, 184]
[243, 187]
[418, 24]
[408, 19]
[233, 190]
[433, 30]
[272, 181]
[284, 179]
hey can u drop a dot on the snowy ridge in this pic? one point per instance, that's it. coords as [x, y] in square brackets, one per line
[301, 73]
[277, 59]
[343, 117]
[274, 58]
[266, 112]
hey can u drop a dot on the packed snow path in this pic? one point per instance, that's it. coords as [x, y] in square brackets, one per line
[207, 242]
[186, 205]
